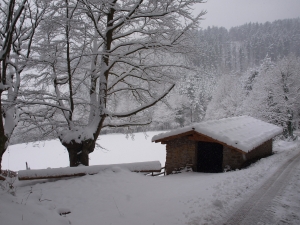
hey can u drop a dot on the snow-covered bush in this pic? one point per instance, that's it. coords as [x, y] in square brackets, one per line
[269, 93]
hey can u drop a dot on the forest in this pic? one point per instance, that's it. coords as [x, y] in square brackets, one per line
[73, 70]
[253, 69]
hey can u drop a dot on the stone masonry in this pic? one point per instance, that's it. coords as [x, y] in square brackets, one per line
[263, 150]
[232, 159]
[236, 159]
[182, 151]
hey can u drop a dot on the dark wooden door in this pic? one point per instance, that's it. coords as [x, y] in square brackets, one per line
[210, 157]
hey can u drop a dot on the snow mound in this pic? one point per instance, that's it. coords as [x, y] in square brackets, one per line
[242, 132]
[70, 171]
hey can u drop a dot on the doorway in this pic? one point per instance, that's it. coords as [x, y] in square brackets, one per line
[209, 157]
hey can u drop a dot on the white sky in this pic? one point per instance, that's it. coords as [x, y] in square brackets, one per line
[229, 13]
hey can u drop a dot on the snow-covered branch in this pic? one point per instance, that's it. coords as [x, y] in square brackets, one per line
[18, 21]
[128, 124]
[105, 60]
[143, 107]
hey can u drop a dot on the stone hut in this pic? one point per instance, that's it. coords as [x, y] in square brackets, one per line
[215, 145]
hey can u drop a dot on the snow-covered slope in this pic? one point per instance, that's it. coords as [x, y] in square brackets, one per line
[117, 196]
[242, 132]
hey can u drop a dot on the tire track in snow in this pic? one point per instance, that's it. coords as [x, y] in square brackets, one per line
[285, 207]
[253, 210]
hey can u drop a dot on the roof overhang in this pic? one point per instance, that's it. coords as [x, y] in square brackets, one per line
[242, 132]
[196, 136]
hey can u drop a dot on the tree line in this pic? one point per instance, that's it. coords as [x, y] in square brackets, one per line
[246, 46]
[234, 68]
[269, 92]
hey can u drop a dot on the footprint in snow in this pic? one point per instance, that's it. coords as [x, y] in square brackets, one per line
[63, 211]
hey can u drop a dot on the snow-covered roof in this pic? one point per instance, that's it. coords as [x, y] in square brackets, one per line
[242, 132]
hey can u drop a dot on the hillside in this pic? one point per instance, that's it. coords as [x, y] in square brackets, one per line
[242, 47]
[119, 197]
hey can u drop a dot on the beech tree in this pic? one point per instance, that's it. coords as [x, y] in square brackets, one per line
[94, 56]
[269, 92]
[275, 94]
[18, 22]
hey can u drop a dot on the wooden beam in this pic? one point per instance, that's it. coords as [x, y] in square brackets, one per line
[143, 167]
[54, 176]
[77, 175]
[195, 136]
[163, 140]
[201, 137]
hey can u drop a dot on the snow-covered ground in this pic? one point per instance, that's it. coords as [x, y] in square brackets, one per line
[119, 197]
[116, 148]
[287, 207]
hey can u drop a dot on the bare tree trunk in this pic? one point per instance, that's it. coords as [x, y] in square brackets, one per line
[19, 21]
[79, 152]
[3, 138]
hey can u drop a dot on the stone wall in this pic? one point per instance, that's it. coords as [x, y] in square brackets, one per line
[263, 150]
[232, 158]
[180, 152]
[236, 160]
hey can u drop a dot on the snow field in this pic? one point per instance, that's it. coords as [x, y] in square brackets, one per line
[116, 149]
[119, 197]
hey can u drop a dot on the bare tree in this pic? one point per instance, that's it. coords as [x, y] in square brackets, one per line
[18, 23]
[99, 55]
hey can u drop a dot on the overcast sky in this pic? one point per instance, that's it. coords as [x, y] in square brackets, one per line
[229, 13]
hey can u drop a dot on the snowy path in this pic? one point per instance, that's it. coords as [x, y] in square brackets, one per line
[263, 205]
[286, 206]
